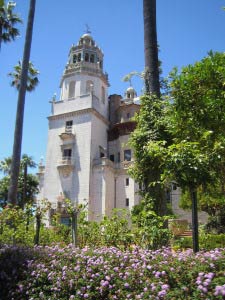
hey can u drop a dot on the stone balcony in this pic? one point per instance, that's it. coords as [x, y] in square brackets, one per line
[66, 165]
[67, 134]
[104, 161]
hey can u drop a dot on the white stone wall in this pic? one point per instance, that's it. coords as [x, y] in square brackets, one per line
[109, 178]
[102, 199]
[96, 205]
[80, 87]
[120, 145]
[76, 185]
[97, 182]
[78, 104]
[123, 191]
[98, 136]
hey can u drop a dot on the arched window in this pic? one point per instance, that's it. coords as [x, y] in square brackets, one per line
[89, 86]
[74, 58]
[86, 57]
[79, 57]
[103, 94]
[71, 89]
[92, 58]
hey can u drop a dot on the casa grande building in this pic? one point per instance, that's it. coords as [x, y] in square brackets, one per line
[87, 151]
[88, 154]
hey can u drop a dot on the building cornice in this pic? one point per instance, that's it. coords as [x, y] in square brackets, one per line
[79, 112]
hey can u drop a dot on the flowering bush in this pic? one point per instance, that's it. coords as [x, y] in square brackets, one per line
[54, 273]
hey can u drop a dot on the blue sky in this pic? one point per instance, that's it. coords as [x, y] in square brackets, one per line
[187, 30]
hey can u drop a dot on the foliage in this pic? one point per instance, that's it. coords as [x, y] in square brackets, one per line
[145, 140]
[27, 183]
[207, 241]
[196, 120]
[113, 230]
[31, 188]
[116, 230]
[89, 232]
[8, 21]
[32, 79]
[14, 228]
[149, 229]
[5, 165]
[109, 273]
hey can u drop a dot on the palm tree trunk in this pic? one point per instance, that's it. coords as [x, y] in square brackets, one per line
[18, 133]
[24, 186]
[151, 48]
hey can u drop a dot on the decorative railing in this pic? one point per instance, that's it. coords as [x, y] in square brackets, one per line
[68, 129]
[66, 161]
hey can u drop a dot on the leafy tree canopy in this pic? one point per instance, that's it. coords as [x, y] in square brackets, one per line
[183, 139]
[31, 189]
[196, 121]
[25, 195]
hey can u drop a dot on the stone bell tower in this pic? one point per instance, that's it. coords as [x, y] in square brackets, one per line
[78, 125]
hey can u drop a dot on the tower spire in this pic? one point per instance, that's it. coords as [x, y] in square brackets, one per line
[87, 29]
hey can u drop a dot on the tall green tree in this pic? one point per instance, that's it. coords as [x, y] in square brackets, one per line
[196, 121]
[28, 183]
[147, 167]
[8, 21]
[31, 190]
[152, 81]
[18, 134]
[146, 170]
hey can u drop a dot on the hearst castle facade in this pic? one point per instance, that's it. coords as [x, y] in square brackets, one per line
[87, 152]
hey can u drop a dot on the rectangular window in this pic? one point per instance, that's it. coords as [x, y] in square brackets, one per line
[111, 157]
[127, 201]
[127, 181]
[127, 155]
[118, 157]
[101, 152]
[67, 153]
[69, 125]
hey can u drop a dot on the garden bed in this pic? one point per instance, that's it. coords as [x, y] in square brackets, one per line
[108, 273]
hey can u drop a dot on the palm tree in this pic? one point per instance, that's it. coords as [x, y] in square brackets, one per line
[152, 82]
[8, 20]
[27, 161]
[32, 79]
[18, 134]
[5, 165]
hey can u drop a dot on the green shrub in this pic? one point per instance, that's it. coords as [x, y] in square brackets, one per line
[206, 241]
